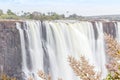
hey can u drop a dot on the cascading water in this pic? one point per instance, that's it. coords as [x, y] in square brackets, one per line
[22, 39]
[100, 50]
[118, 30]
[49, 44]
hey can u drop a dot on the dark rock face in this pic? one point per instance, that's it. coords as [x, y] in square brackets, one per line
[10, 50]
[109, 28]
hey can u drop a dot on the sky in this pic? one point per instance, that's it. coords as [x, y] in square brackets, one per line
[80, 7]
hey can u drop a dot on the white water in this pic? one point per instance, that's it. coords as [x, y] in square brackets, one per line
[22, 40]
[100, 50]
[63, 38]
[118, 31]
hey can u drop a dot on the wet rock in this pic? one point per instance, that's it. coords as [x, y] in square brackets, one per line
[10, 50]
[109, 28]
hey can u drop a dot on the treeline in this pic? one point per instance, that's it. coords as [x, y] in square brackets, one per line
[37, 15]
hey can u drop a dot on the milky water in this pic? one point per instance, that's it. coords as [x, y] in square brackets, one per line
[49, 44]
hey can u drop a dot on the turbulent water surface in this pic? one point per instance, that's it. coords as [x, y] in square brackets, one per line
[47, 45]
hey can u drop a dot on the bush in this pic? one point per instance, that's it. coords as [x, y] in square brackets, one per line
[6, 16]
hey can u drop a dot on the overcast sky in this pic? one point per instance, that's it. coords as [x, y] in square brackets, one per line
[80, 7]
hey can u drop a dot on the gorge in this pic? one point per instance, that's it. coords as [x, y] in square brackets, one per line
[30, 45]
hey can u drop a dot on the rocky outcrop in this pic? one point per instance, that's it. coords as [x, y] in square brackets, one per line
[109, 28]
[10, 49]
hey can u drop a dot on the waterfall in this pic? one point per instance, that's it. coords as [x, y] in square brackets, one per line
[46, 46]
[118, 30]
[100, 50]
[22, 40]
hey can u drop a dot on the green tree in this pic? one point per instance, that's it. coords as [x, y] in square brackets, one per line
[1, 12]
[9, 12]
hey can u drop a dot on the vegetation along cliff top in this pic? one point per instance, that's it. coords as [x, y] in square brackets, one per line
[36, 15]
